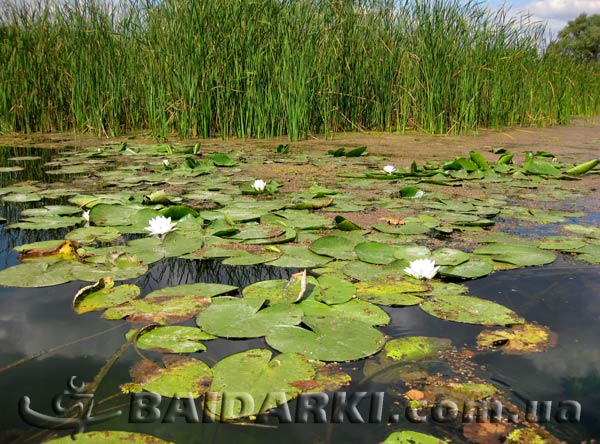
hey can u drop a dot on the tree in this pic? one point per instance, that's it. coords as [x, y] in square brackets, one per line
[580, 38]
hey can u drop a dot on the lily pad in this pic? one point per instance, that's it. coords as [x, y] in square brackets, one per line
[518, 339]
[255, 374]
[159, 310]
[338, 247]
[334, 290]
[470, 310]
[471, 269]
[414, 348]
[181, 376]
[449, 256]
[391, 292]
[328, 339]
[103, 294]
[109, 437]
[410, 437]
[229, 317]
[172, 339]
[375, 253]
[516, 254]
[36, 274]
[354, 309]
[88, 235]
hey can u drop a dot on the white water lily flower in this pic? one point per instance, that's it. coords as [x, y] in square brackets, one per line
[390, 169]
[160, 226]
[422, 269]
[166, 162]
[419, 194]
[259, 185]
[86, 215]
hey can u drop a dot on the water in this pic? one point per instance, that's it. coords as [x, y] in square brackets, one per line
[565, 296]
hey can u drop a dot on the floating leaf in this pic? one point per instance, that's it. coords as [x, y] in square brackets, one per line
[245, 318]
[255, 375]
[334, 290]
[391, 292]
[375, 252]
[109, 437]
[103, 294]
[471, 269]
[449, 256]
[516, 254]
[354, 309]
[159, 310]
[222, 160]
[181, 376]
[470, 310]
[88, 235]
[329, 339]
[338, 247]
[413, 348]
[36, 274]
[410, 437]
[172, 339]
[518, 339]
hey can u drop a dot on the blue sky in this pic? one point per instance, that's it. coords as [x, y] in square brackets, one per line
[556, 13]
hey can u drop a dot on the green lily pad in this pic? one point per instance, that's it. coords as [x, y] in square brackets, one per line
[22, 197]
[541, 168]
[329, 339]
[172, 339]
[112, 215]
[471, 269]
[36, 274]
[334, 290]
[46, 222]
[51, 210]
[299, 257]
[159, 310]
[516, 254]
[354, 309]
[151, 249]
[414, 348]
[258, 376]
[391, 292]
[376, 253]
[103, 294]
[222, 160]
[410, 437]
[229, 317]
[181, 376]
[470, 310]
[89, 235]
[338, 247]
[561, 243]
[273, 291]
[449, 256]
[586, 230]
[109, 437]
[411, 252]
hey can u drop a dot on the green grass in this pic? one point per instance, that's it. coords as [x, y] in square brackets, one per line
[264, 68]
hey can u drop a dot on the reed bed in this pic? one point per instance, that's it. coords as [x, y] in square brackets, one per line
[265, 68]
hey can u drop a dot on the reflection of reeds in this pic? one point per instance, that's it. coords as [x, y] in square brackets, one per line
[268, 67]
[173, 271]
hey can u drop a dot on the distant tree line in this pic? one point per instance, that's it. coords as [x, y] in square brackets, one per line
[579, 39]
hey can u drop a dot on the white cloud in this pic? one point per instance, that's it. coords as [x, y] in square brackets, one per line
[556, 13]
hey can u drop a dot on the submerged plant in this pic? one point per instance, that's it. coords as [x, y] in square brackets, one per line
[422, 269]
[160, 226]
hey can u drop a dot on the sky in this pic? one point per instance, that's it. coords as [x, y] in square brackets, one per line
[556, 13]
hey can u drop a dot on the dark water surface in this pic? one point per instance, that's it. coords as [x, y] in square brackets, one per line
[565, 296]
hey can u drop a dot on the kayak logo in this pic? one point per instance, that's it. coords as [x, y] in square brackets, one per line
[73, 409]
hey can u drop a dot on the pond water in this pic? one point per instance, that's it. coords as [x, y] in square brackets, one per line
[565, 296]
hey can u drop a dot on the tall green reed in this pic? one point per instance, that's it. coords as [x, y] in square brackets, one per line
[264, 68]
